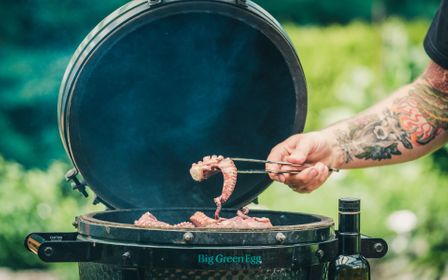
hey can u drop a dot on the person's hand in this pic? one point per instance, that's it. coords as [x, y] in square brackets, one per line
[313, 148]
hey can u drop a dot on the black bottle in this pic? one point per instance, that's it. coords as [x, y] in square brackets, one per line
[350, 264]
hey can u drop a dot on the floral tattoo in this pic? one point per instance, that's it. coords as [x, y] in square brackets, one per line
[412, 120]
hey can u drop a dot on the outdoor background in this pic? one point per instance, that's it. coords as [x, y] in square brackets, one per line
[354, 52]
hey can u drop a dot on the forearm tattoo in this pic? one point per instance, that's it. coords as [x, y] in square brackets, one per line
[413, 120]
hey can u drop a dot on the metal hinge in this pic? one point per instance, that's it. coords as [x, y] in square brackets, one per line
[241, 2]
[71, 176]
[154, 2]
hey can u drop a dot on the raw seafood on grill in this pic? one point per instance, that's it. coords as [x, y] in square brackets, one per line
[149, 220]
[211, 165]
[199, 219]
[240, 221]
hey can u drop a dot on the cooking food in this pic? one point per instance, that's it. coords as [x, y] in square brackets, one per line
[211, 165]
[241, 221]
[149, 220]
[199, 219]
[184, 225]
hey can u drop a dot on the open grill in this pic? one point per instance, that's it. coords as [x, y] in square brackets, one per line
[155, 86]
[300, 246]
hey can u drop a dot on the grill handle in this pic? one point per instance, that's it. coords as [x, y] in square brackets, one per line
[371, 248]
[374, 248]
[61, 247]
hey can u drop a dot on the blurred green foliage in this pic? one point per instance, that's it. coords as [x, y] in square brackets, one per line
[37, 38]
[33, 201]
[60, 23]
[29, 82]
[38, 23]
[343, 11]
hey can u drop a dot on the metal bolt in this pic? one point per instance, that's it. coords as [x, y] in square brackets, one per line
[188, 237]
[379, 247]
[320, 254]
[71, 174]
[48, 251]
[280, 237]
[76, 222]
[96, 200]
[154, 2]
[126, 256]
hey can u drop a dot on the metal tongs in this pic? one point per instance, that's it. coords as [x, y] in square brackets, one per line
[298, 167]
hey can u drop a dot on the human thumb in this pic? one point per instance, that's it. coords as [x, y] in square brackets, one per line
[300, 153]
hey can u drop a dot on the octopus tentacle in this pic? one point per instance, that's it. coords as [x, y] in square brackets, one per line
[242, 221]
[211, 165]
[149, 220]
[184, 225]
[199, 219]
[243, 213]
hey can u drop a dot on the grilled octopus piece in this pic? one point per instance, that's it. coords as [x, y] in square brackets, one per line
[241, 221]
[199, 219]
[243, 213]
[149, 220]
[184, 225]
[211, 165]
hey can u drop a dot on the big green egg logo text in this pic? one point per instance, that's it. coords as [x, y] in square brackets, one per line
[223, 259]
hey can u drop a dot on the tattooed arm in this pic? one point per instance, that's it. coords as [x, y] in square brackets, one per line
[410, 123]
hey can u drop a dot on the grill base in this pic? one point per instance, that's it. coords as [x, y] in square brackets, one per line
[95, 271]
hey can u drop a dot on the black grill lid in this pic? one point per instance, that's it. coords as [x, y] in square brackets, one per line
[153, 89]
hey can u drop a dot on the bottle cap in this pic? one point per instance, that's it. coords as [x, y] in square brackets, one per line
[349, 204]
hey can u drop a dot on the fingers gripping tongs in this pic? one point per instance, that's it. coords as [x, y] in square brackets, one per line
[297, 168]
